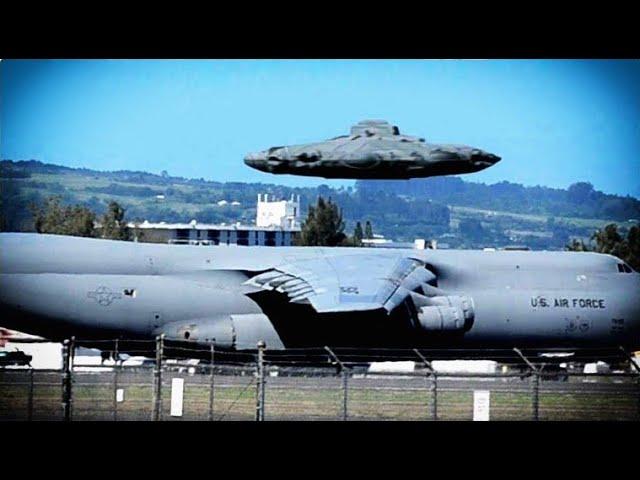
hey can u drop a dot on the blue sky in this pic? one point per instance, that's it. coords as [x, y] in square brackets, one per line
[554, 122]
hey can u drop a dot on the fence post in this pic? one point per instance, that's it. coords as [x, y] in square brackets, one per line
[345, 384]
[535, 385]
[434, 393]
[638, 382]
[345, 394]
[260, 383]
[433, 384]
[212, 379]
[67, 367]
[636, 367]
[30, 399]
[536, 395]
[157, 385]
[115, 383]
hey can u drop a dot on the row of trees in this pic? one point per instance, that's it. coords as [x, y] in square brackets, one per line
[609, 240]
[359, 234]
[324, 225]
[78, 220]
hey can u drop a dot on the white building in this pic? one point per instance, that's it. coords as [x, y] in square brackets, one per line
[278, 213]
[194, 233]
[277, 224]
[376, 241]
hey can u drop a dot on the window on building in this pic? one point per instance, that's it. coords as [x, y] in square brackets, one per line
[182, 234]
[270, 239]
[213, 236]
[242, 237]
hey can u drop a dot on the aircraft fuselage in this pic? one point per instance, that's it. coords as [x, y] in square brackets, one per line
[58, 286]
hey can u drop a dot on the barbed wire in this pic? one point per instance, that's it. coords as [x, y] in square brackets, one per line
[252, 382]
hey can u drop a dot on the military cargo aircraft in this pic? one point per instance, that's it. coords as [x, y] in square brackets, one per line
[58, 286]
[374, 149]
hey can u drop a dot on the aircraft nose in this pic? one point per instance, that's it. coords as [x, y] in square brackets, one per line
[255, 160]
[252, 162]
[484, 159]
[493, 159]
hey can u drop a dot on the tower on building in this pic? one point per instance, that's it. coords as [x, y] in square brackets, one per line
[278, 213]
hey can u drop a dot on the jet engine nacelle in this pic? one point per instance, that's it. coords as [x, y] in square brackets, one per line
[215, 329]
[242, 332]
[464, 303]
[441, 318]
[452, 312]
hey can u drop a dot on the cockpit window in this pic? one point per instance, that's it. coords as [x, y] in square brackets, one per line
[624, 268]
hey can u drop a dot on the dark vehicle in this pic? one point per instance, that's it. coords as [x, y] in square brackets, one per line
[17, 358]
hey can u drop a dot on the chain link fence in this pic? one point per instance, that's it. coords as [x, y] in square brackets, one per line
[182, 381]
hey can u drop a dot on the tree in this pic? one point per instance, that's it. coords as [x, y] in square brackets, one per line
[609, 240]
[368, 230]
[633, 242]
[471, 229]
[323, 226]
[55, 218]
[114, 226]
[577, 246]
[580, 192]
[357, 235]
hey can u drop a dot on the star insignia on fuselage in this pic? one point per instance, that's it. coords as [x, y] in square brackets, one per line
[104, 296]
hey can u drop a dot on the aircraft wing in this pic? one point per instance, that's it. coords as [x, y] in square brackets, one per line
[347, 282]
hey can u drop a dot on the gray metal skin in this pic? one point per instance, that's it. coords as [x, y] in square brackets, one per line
[58, 286]
[373, 150]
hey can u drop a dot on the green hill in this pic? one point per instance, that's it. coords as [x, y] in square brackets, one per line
[453, 211]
